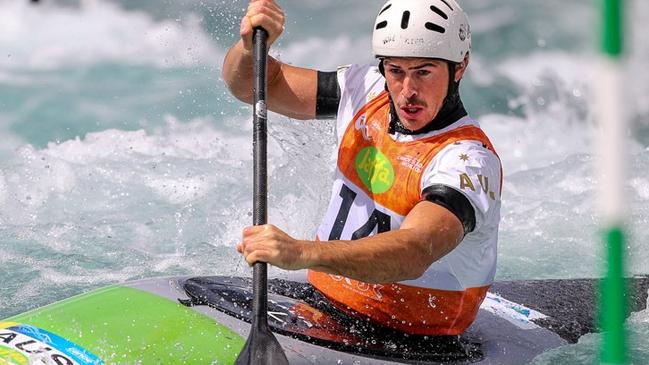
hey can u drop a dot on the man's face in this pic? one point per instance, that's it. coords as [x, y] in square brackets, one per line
[418, 87]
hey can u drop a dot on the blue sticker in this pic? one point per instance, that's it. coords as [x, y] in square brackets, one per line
[74, 351]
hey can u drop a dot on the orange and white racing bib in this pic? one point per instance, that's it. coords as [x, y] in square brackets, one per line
[378, 181]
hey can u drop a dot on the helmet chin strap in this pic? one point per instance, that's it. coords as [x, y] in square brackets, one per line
[451, 111]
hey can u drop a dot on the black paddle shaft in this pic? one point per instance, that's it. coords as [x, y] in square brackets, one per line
[260, 129]
[260, 198]
[261, 347]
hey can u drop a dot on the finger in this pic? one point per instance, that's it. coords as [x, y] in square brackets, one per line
[258, 256]
[251, 231]
[261, 228]
[265, 7]
[270, 17]
[269, 3]
[240, 248]
[246, 229]
[245, 32]
[265, 14]
[266, 21]
[251, 245]
[246, 27]
[270, 12]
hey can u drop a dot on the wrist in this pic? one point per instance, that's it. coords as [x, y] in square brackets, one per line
[308, 254]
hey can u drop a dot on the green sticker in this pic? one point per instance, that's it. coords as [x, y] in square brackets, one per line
[124, 325]
[375, 170]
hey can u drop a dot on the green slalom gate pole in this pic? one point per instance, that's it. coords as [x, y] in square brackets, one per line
[613, 124]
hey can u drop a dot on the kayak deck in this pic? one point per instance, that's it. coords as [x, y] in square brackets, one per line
[143, 322]
[297, 310]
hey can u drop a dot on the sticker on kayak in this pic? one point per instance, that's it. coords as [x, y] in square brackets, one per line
[515, 313]
[22, 344]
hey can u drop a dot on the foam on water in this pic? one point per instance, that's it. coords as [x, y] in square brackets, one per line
[120, 205]
[326, 54]
[52, 37]
[587, 349]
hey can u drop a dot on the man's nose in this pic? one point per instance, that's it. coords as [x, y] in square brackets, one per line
[408, 89]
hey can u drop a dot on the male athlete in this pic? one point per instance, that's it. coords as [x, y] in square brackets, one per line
[409, 238]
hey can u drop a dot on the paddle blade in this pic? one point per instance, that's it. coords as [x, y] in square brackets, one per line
[262, 348]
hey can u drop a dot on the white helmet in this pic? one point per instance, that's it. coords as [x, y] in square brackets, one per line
[422, 28]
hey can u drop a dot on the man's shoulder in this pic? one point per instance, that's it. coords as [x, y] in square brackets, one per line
[467, 153]
[357, 68]
[358, 85]
[355, 75]
[472, 169]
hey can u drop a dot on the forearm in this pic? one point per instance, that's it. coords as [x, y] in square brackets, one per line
[383, 258]
[427, 234]
[238, 71]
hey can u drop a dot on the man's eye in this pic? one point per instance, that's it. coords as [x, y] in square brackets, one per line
[395, 71]
[423, 72]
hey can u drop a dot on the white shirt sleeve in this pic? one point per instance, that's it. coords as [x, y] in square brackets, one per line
[474, 171]
[358, 84]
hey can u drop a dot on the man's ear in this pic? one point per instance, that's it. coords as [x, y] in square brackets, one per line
[381, 66]
[461, 68]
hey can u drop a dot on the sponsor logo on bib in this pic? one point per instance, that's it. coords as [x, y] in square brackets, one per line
[374, 170]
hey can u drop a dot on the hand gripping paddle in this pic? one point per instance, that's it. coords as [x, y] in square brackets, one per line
[261, 348]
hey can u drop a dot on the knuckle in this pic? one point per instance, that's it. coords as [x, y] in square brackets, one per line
[257, 8]
[259, 18]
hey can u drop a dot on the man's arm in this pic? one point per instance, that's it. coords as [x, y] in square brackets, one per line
[429, 232]
[291, 90]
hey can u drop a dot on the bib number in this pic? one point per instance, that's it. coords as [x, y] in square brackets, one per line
[377, 218]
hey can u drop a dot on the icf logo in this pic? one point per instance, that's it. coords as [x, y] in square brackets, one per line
[361, 125]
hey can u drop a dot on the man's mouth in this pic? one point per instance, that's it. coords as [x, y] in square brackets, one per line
[411, 111]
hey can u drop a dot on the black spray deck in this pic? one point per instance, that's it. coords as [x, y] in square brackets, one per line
[518, 321]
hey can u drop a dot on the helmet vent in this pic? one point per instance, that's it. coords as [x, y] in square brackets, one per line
[405, 19]
[382, 25]
[386, 8]
[444, 1]
[439, 12]
[435, 27]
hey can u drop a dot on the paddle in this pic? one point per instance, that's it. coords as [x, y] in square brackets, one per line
[261, 347]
